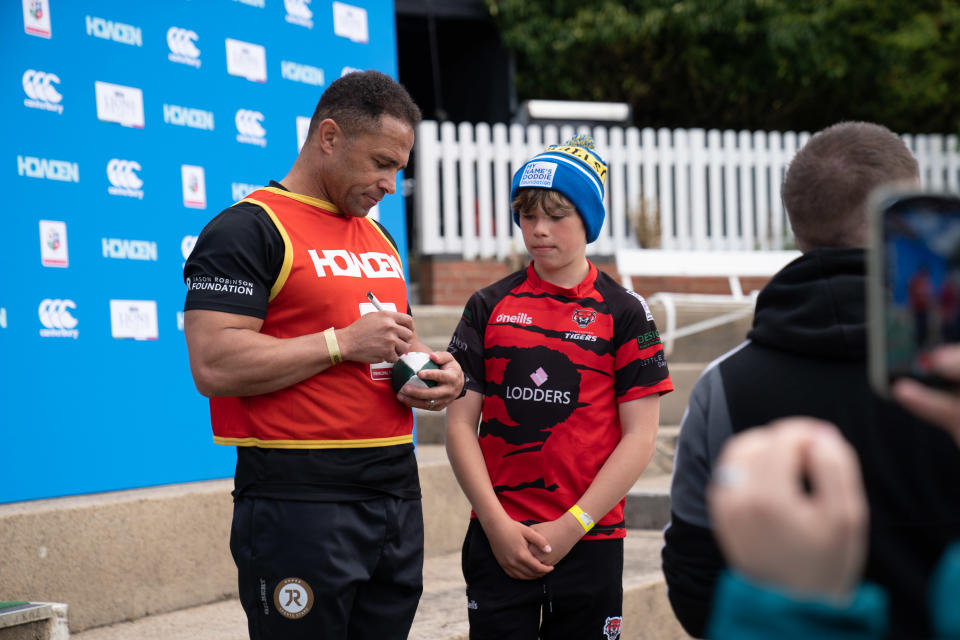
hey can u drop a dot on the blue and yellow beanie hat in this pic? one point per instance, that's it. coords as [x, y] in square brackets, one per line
[576, 170]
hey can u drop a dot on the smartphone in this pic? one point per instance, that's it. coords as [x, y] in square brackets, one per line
[913, 284]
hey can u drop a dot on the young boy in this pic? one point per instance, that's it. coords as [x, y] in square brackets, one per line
[564, 369]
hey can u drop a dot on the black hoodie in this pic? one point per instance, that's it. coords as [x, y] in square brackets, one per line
[806, 355]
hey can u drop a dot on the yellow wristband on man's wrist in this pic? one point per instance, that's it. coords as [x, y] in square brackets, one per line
[333, 347]
[582, 517]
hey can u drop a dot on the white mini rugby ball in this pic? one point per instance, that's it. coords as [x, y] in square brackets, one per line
[406, 368]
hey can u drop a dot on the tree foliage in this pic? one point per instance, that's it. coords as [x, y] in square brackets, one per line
[744, 64]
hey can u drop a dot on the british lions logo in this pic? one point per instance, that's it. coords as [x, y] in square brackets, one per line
[584, 317]
[611, 628]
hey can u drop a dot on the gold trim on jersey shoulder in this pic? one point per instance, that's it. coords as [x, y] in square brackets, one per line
[287, 248]
[314, 202]
[389, 244]
[362, 443]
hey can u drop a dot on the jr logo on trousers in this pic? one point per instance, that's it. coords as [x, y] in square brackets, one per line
[293, 598]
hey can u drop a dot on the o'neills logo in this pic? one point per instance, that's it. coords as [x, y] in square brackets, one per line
[519, 318]
[553, 396]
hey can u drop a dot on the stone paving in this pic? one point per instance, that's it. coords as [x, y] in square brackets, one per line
[442, 614]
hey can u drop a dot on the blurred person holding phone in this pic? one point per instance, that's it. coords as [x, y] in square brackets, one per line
[807, 355]
[790, 513]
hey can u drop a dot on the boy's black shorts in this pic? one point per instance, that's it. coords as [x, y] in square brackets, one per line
[581, 599]
[331, 570]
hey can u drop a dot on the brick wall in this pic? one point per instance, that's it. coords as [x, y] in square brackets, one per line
[450, 281]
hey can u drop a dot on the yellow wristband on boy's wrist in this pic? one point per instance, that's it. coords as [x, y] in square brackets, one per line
[333, 347]
[582, 517]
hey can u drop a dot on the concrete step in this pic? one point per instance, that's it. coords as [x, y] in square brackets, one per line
[684, 375]
[442, 614]
[704, 346]
[666, 448]
[126, 554]
[34, 621]
[129, 554]
[436, 320]
[648, 502]
[429, 426]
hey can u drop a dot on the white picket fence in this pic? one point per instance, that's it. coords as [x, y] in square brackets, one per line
[711, 189]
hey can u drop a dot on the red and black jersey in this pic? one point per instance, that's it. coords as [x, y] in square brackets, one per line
[330, 262]
[297, 263]
[553, 364]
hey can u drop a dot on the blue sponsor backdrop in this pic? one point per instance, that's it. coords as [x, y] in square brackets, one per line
[95, 387]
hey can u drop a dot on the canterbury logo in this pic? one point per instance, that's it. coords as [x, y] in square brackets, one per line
[122, 173]
[55, 314]
[38, 85]
[298, 8]
[181, 42]
[248, 123]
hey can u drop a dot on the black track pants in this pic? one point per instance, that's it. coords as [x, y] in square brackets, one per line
[328, 570]
[581, 599]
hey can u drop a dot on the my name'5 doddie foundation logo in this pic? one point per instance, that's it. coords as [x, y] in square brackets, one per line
[538, 174]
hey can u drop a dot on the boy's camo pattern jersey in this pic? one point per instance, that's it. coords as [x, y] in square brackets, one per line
[553, 364]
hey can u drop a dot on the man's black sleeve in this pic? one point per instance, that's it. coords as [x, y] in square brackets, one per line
[236, 260]
[692, 562]
[691, 558]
